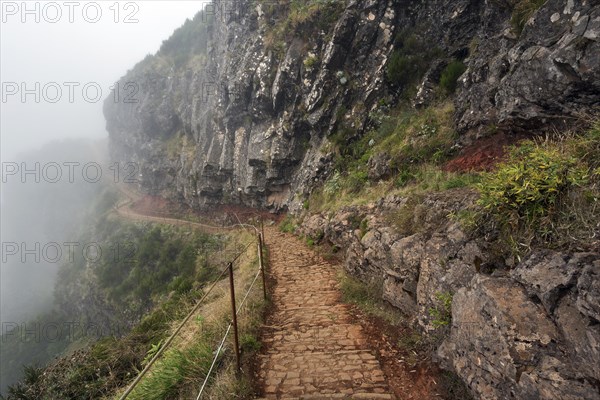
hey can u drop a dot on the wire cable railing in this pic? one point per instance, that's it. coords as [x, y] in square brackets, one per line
[218, 353]
[235, 311]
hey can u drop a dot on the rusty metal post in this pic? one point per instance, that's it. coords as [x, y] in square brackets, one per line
[262, 265]
[234, 312]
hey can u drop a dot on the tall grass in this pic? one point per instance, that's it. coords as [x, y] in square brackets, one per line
[181, 371]
[176, 368]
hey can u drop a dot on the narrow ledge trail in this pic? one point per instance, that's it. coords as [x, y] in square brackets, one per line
[313, 350]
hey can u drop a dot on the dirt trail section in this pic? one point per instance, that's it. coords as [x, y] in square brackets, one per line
[127, 212]
[130, 209]
[313, 350]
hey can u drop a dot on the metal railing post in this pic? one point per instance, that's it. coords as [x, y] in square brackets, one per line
[234, 312]
[262, 266]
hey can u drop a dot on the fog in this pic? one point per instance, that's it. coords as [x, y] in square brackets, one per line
[59, 61]
[79, 53]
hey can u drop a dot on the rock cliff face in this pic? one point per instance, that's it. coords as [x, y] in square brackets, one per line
[245, 119]
[530, 331]
[243, 113]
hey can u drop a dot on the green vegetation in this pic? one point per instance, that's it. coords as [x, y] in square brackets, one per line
[20, 356]
[414, 144]
[183, 368]
[441, 314]
[299, 17]
[141, 262]
[427, 177]
[368, 297]
[174, 367]
[405, 218]
[179, 145]
[523, 10]
[546, 192]
[418, 137]
[105, 367]
[288, 224]
[410, 59]
[415, 347]
[468, 219]
[188, 40]
[310, 62]
[529, 184]
[450, 75]
[63, 328]
[107, 364]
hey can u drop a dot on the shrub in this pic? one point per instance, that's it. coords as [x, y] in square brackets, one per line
[287, 225]
[410, 60]
[249, 342]
[356, 181]
[404, 177]
[189, 39]
[299, 18]
[332, 186]
[529, 183]
[406, 218]
[454, 181]
[399, 69]
[418, 137]
[310, 62]
[354, 291]
[469, 220]
[450, 76]
[442, 312]
[522, 11]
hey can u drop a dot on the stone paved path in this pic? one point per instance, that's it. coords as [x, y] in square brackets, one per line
[314, 351]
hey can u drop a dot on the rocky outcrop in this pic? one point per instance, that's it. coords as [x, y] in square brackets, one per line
[538, 78]
[413, 250]
[524, 335]
[246, 123]
[530, 331]
[247, 120]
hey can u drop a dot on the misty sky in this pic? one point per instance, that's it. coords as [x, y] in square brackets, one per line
[80, 53]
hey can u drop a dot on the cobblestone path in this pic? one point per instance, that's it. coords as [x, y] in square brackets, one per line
[313, 350]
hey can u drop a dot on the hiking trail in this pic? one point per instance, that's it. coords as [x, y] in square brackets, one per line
[313, 349]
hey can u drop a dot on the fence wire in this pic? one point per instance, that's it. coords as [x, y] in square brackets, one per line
[214, 362]
[192, 312]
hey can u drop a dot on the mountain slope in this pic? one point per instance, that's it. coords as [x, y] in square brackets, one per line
[238, 106]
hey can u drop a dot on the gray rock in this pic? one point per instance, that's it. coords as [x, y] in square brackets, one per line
[528, 333]
[238, 117]
[546, 276]
[379, 166]
[237, 125]
[588, 287]
[537, 79]
[504, 345]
